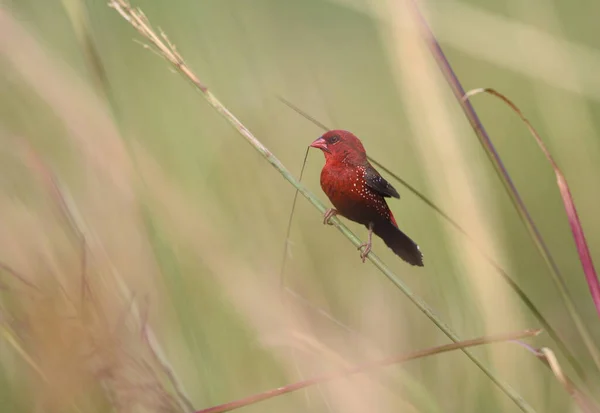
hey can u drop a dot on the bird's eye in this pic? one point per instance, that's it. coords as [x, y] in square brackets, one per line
[334, 139]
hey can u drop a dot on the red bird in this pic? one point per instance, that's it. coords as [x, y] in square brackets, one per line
[358, 192]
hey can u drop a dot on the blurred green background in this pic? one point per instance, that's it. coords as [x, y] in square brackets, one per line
[185, 223]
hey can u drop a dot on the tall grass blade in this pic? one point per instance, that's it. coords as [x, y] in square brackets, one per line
[505, 178]
[582, 247]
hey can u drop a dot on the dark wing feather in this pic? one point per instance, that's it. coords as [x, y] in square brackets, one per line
[377, 183]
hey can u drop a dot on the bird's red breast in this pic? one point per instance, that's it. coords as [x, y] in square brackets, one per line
[352, 185]
[347, 189]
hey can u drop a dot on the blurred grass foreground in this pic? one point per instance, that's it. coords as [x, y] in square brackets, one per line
[141, 240]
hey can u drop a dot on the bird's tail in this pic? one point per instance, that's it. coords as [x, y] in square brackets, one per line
[399, 242]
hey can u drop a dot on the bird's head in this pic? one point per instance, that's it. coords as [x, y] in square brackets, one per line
[341, 146]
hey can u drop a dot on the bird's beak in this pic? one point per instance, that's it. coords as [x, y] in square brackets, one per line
[320, 144]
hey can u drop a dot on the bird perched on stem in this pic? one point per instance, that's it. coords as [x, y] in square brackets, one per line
[358, 192]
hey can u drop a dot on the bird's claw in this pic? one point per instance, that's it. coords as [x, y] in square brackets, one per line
[331, 212]
[363, 254]
[367, 245]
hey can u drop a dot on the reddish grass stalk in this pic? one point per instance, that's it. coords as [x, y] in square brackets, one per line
[505, 178]
[565, 193]
[361, 368]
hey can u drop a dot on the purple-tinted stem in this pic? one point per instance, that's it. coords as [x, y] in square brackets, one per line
[567, 198]
[510, 187]
[471, 115]
[528, 347]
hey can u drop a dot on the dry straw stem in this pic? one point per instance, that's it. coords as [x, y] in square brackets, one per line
[362, 368]
[139, 21]
[547, 356]
[584, 404]
[505, 178]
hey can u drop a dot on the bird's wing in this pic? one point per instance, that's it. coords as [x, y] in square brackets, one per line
[379, 184]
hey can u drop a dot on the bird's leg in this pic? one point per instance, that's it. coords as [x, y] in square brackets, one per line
[363, 254]
[331, 212]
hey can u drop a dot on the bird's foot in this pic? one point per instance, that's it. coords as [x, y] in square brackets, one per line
[367, 250]
[367, 245]
[331, 212]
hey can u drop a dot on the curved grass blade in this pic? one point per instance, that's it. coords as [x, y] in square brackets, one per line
[505, 178]
[288, 231]
[548, 358]
[583, 402]
[565, 193]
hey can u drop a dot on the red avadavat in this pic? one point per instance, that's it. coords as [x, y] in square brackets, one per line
[358, 192]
